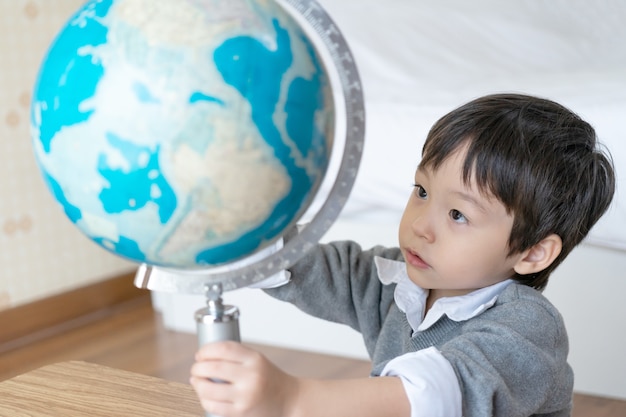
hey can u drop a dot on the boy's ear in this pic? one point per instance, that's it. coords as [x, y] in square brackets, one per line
[540, 256]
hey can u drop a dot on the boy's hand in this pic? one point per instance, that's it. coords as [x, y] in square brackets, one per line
[255, 386]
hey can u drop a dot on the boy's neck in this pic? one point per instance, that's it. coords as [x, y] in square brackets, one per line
[430, 300]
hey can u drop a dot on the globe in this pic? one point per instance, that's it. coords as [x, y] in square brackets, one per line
[183, 133]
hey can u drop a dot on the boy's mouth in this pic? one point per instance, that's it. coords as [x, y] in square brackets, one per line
[413, 259]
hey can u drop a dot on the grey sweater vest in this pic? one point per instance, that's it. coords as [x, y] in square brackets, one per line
[511, 360]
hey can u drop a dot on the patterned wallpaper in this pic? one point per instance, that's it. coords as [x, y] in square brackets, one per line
[41, 252]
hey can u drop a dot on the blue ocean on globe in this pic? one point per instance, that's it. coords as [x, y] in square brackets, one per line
[183, 133]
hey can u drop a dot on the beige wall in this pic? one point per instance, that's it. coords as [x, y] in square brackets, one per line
[41, 252]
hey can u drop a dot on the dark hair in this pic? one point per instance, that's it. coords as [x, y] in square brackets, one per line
[538, 158]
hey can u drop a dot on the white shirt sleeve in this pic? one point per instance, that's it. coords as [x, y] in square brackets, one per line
[276, 280]
[429, 381]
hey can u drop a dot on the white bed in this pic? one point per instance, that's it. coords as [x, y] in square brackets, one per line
[418, 60]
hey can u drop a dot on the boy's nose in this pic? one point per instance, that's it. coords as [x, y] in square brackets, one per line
[423, 226]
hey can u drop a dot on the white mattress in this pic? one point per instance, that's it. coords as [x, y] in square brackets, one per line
[418, 60]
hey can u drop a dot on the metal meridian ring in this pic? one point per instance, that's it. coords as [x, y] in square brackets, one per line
[336, 45]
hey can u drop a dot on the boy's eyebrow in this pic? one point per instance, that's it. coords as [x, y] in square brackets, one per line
[470, 198]
[421, 170]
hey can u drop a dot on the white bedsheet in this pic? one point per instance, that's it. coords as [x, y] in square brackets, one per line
[420, 59]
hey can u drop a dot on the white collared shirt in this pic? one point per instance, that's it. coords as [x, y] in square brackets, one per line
[428, 378]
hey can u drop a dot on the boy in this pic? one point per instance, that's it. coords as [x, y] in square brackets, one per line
[453, 319]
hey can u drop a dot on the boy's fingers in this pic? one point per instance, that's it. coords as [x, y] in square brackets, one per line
[216, 400]
[213, 391]
[226, 350]
[216, 369]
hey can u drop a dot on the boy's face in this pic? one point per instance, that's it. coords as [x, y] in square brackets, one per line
[453, 237]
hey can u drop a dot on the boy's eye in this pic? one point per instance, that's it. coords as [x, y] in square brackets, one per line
[457, 216]
[420, 192]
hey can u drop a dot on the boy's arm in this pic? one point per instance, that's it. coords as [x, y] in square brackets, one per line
[258, 388]
[339, 282]
[376, 397]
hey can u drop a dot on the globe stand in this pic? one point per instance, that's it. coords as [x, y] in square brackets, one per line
[216, 321]
[219, 322]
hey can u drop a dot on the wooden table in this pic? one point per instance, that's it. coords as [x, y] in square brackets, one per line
[70, 389]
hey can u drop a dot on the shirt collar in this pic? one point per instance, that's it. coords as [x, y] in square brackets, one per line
[411, 299]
